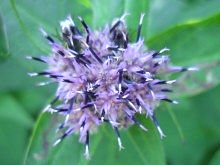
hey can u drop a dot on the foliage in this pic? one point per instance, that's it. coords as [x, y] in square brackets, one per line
[190, 28]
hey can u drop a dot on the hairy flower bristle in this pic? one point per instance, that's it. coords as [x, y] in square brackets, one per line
[103, 77]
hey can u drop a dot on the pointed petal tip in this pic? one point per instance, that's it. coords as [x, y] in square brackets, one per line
[193, 69]
[56, 142]
[80, 18]
[124, 15]
[162, 136]
[86, 153]
[171, 81]
[141, 18]
[175, 102]
[28, 57]
[44, 83]
[41, 29]
[47, 108]
[164, 50]
[144, 128]
[121, 147]
[32, 74]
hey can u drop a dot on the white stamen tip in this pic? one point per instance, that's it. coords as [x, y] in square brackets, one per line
[148, 79]
[79, 92]
[43, 32]
[143, 127]
[70, 19]
[43, 83]
[76, 110]
[29, 57]
[163, 50]
[32, 74]
[67, 118]
[57, 130]
[171, 81]
[121, 49]
[141, 19]
[120, 144]
[140, 109]
[125, 96]
[69, 55]
[47, 108]
[81, 129]
[57, 142]
[67, 23]
[123, 16]
[80, 18]
[193, 69]
[102, 119]
[51, 110]
[132, 105]
[114, 123]
[175, 102]
[119, 88]
[95, 107]
[153, 95]
[162, 135]
[86, 154]
[72, 51]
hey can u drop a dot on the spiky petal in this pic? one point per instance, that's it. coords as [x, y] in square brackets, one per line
[104, 78]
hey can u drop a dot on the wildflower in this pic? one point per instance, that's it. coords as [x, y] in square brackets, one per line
[102, 77]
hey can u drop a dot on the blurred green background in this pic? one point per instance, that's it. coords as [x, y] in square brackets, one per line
[190, 28]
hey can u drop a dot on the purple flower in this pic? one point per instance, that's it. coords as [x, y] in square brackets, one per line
[102, 77]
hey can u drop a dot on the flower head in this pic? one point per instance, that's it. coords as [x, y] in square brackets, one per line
[103, 77]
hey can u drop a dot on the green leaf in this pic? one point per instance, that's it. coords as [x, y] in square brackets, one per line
[189, 43]
[194, 83]
[17, 42]
[169, 13]
[14, 126]
[33, 99]
[13, 70]
[211, 155]
[24, 30]
[32, 20]
[14, 81]
[193, 44]
[146, 145]
[22, 25]
[4, 48]
[216, 159]
[37, 147]
[139, 145]
[198, 117]
[11, 110]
